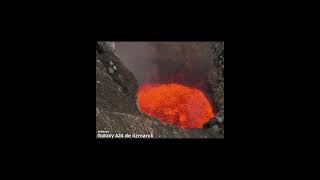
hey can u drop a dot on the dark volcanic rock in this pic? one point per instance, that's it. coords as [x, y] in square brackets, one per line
[216, 79]
[116, 107]
[216, 74]
[117, 87]
[122, 123]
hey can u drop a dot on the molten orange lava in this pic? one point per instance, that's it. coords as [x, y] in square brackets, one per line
[175, 104]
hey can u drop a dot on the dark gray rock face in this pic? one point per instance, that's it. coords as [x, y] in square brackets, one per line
[216, 74]
[216, 79]
[116, 87]
[116, 107]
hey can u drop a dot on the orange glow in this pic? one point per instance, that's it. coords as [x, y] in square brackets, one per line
[175, 104]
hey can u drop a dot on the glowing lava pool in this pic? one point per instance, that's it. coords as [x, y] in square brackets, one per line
[175, 104]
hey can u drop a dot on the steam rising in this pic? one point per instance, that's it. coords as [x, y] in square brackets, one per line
[162, 62]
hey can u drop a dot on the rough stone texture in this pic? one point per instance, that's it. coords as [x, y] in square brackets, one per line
[116, 108]
[119, 123]
[216, 74]
[216, 79]
[115, 88]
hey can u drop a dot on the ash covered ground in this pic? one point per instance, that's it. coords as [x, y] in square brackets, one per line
[116, 96]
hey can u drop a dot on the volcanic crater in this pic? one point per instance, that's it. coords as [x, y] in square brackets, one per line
[178, 84]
